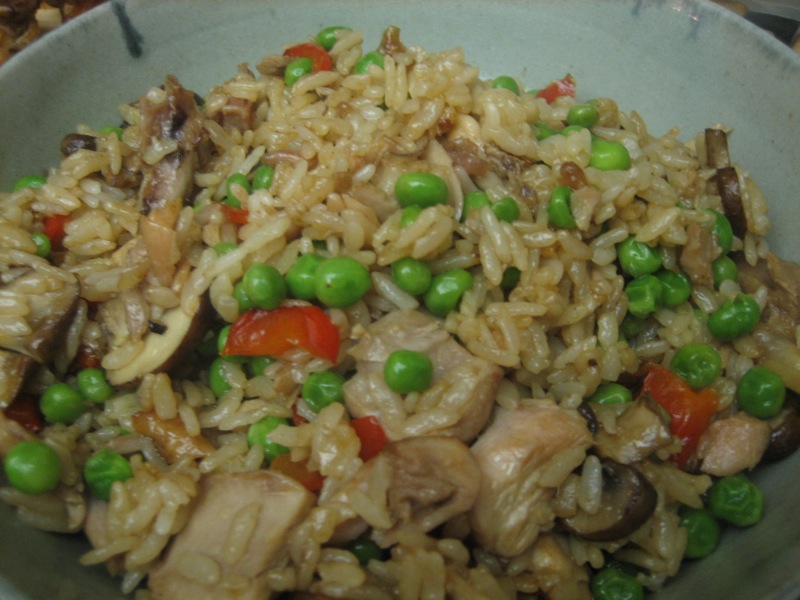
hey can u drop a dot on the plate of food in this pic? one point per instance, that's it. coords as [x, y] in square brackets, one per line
[347, 299]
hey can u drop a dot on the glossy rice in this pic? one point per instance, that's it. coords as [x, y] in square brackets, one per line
[338, 142]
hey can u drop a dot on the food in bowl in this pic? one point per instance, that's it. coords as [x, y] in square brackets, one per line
[360, 323]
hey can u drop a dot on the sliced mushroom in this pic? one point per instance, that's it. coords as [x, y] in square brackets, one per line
[727, 179]
[164, 351]
[170, 437]
[15, 369]
[785, 429]
[628, 500]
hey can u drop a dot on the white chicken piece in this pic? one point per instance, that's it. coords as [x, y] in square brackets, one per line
[733, 444]
[236, 532]
[639, 431]
[424, 482]
[524, 455]
[458, 402]
[559, 576]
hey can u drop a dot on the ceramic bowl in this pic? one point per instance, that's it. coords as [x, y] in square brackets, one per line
[679, 63]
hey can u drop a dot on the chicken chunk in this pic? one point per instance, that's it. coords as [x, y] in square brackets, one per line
[423, 482]
[236, 532]
[524, 455]
[638, 432]
[557, 573]
[458, 402]
[733, 444]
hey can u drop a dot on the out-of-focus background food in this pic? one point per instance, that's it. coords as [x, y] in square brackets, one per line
[23, 21]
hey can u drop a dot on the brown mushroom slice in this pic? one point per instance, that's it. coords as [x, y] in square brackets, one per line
[784, 436]
[15, 369]
[163, 351]
[727, 179]
[628, 500]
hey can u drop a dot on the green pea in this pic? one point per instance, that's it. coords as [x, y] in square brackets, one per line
[506, 82]
[301, 276]
[676, 287]
[584, 115]
[323, 389]
[365, 62]
[409, 214]
[408, 371]
[364, 550]
[544, 131]
[411, 275]
[736, 500]
[511, 277]
[245, 303]
[722, 231]
[637, 258]
[93, 385]
[257, 364]
[506, 209]
[231, 201]
[264, 285]
[613, 583]
[421, 189]
[222, 340]
[328, 37]
[258, 432]
[558, 209]
[341, 281]
[296, 69]
[62, 403]
[702, 532]
[29, 181]
[32, 467]
[631, 326]
[217, 380]
[117, 131]
[263, 177]
[723, 269]
[237, 179]
[611, 393]
[473, 201]
[644, 295]
[761, 392]
[609, 156]
[223, 248]
[734, 318]
[698, 364]
[445, 291]
[102, 469]
[571, 128]
[43, 244]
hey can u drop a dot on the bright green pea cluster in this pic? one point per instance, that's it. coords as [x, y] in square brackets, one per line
[608, 155]
[369, 59]
[264, 285]
[506, 82]
[724, 268]
[612, 583]
[413, 276]
[300, 277]
[638, 258]
[446, 289]
[29, 181]
[341, 281]
[583, 115]
[644, 295]
[364, 550]
[296, 69]
[328, 36]
[675, 288]
[62, 403]
[43, 244]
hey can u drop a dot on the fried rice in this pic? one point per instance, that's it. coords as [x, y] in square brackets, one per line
[506, 477]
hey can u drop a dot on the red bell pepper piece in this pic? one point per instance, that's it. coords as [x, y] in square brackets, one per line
[260, 332]
[690, 411]
[299, 471]
[371, 434]
[562, 87]
[320, 59]
[54, 229]
[237, 216]
[25, 411]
